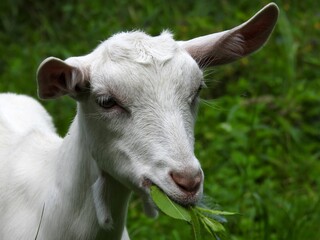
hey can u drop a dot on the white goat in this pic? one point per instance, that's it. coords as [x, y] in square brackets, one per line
[137, 98]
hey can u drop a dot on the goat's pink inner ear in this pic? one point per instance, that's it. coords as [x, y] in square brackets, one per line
[257, 30]
[228, 46]
[55, 78]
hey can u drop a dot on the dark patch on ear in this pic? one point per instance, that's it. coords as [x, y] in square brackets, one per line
[57, 78]
[62, 80]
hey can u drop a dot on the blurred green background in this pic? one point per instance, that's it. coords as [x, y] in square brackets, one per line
[258, 130]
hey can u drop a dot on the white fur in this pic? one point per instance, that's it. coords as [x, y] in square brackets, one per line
[40, 169]
[69, 188]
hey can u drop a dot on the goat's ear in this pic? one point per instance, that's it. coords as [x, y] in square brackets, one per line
[228, 46]
[57, 78]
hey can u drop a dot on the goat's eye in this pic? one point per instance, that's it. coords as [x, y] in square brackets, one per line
[196, 95]
[199, 89]
[106, 103]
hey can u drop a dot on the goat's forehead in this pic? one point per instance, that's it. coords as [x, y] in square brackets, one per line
[137, 60]
[138, 47]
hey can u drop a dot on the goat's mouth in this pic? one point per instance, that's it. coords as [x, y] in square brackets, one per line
[185, 199]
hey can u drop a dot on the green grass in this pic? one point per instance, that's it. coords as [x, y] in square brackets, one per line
[258, 139]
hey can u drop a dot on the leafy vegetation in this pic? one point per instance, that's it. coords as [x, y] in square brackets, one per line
[210, 219]
[258, 139]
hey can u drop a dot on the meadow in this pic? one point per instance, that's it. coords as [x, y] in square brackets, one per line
[258, 129]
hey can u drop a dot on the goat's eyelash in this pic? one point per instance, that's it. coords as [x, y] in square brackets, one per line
[202, 85]
[111, 107]
[195, 95]
[106, 102]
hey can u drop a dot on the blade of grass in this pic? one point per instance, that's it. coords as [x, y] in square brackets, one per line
[169, 207]
[40, 222]
[215, 212]
[195, 223]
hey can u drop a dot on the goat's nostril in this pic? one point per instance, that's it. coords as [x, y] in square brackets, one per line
[187, 182]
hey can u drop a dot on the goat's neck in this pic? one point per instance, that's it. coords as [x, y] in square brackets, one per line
[76, 170]
[79, 168]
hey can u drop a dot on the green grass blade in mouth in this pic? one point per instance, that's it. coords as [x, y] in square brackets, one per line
[198, 217]
[167, 206]
[195, 223]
